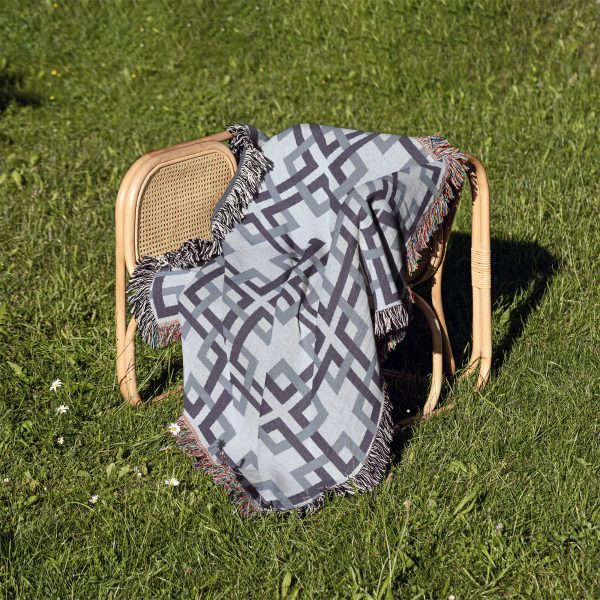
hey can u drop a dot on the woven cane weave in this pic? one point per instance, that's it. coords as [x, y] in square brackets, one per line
[177, 202]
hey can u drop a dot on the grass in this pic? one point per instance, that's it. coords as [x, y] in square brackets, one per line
[496, 499]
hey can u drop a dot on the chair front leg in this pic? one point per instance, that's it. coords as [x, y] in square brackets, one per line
[437, 375]
[125, 334]
[438, 307]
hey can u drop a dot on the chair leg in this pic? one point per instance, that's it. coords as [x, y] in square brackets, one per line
[438, 307]
[121, 363]
[436, 342]
[481, 355]
[125, 343]
[125, 334]
[483, 279]
[476, 296]
[133, 396]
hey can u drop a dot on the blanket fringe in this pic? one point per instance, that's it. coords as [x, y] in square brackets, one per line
[221, 473]
[449, 192]
[391, 319]
[252, 167]
[391, 324]
[389, 343]
[375, 466]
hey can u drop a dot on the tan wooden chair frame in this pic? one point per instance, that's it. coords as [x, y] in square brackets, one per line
[127, 235]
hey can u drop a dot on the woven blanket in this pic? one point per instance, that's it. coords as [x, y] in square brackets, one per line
[287, 314]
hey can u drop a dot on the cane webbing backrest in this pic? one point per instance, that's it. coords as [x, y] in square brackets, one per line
[177, 201]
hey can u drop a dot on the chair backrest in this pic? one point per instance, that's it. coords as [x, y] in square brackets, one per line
[168, 197]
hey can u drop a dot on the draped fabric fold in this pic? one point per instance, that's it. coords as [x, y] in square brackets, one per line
[287, 314]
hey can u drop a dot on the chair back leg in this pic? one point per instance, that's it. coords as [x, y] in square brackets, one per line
[125, 334]
[481, 354]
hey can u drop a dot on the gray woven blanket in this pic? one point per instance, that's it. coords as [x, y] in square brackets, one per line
[288, 312]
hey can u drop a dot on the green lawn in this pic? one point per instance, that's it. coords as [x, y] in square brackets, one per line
[498, 498]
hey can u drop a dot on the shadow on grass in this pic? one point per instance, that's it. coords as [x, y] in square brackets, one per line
[520, 275]
[168, 382]
[12, 90]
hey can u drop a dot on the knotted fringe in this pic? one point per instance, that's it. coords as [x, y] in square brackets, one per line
[252, 166]
[168, 333]
[376, 463]
[391, 324]
[391, 319]
[138, 292]
[220, 472]
[440, 149]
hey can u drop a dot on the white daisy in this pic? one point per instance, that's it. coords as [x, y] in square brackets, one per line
[93, 499]
[57, 383]
[174, 428]
[62, 409]
[172, 482]
[60, 440]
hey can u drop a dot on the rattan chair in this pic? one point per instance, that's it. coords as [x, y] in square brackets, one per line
[168, 196]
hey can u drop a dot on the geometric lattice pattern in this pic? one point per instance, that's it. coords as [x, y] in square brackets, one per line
[282, 378]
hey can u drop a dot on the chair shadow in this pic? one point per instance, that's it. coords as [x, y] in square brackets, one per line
[167, 381]
[12, 90]
[521, 272]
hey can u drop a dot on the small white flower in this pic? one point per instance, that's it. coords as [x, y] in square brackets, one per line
[174, 428]
[6, 480]
[62, 409]
[172, 482]
[137, 471]
[451, 597]
[139, 474]
[57, 383]
[499, 528]
[60, 441]
[94, 499]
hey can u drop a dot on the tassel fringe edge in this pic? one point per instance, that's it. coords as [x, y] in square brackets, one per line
[221, 473]
[440, 149]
